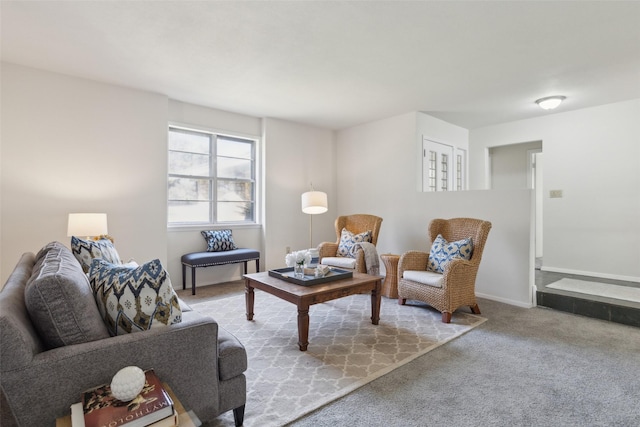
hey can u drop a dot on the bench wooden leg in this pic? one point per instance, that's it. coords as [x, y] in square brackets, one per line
[245, 267]
[184, 280]
[193, 280]
[257, 266]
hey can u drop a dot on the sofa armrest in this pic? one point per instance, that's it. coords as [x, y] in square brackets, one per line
[185, 355]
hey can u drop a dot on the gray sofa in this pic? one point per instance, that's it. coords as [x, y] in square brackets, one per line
[58, 347]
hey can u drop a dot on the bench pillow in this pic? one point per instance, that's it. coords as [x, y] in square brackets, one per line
[60, 302]
[219, 240]
[133, 299]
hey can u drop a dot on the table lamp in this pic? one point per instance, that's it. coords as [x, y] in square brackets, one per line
[87, 224]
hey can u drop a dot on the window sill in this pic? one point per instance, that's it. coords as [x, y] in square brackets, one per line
[236, 226]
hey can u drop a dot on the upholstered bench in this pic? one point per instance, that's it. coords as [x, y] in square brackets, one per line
[209, 259]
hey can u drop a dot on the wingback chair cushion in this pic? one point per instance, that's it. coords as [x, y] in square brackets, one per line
[425, 277]
[442, 252]
[348, 241]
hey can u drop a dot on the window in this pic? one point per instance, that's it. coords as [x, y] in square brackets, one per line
[443, 167]
[432, 170]
[211, 178]
[444, 170]
[458, 172]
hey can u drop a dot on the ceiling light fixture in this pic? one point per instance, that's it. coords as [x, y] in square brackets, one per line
[550, 102]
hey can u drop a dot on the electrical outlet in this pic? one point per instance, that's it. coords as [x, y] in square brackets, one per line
[288, 250]
[555, 194]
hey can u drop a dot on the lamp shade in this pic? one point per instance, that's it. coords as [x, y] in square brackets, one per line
[87, 224]
[314, 202]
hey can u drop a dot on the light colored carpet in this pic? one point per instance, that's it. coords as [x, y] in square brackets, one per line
[345, 350]
[608, 290]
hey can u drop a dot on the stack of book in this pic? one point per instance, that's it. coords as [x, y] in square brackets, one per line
[152, 407]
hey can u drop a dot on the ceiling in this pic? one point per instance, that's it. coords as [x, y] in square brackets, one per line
[339, 64]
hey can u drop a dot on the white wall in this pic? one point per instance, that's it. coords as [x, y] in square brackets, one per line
[439, 131]
[296, 156]
[593, 156]
[71, 145]
[291, 156]
[510, 167]
[75, 145]
[376, 171]
[183, 240]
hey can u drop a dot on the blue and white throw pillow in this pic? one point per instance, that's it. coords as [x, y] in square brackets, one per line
[134, 299]
[442, 252]
[86, 251]
[219, 240]
[348, 241]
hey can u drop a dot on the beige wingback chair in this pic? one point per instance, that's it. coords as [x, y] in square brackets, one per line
[357, 223]
[456, 286]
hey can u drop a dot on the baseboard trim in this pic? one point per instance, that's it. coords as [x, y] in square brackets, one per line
[591, 274]
[505, 300]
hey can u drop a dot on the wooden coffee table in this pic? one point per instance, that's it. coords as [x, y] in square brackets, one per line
[305, 296]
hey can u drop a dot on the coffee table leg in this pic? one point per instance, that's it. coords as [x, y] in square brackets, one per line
[303, 328]
[248, 297]
[375, 303]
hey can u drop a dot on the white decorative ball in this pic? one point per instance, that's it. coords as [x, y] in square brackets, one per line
[127, 383]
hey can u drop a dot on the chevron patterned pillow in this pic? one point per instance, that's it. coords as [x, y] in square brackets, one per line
[133, 299]
[86, 251]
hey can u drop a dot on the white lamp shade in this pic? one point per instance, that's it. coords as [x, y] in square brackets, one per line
[87, 224]
[314, 202]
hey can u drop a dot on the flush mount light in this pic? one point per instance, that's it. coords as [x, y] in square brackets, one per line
[550, 102]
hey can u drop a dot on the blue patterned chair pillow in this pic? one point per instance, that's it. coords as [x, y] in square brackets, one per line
[134, 299]
[348, 241]
[442, 252]
[86, 251]
[219, 240]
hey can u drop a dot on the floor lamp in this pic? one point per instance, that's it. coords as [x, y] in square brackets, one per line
[313, 203]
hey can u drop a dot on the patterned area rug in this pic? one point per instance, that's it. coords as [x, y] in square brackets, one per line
[345, 350]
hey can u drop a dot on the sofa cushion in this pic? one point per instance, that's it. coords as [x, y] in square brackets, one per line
[442, 252]
[45, 249]
[348, 241]
[60, 302]
[87, 250]
[133, 299]
[219, 240]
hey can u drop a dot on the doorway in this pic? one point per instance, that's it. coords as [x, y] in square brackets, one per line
[520, 166]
